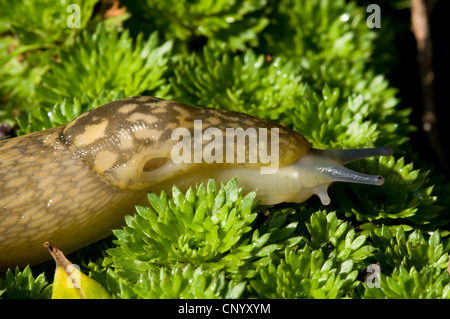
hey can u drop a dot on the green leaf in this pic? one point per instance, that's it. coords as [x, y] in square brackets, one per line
[23, 285]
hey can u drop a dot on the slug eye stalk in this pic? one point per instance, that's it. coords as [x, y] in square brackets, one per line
[329, 162]
[345, 156]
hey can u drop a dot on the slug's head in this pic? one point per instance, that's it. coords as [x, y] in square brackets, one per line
[319, 168]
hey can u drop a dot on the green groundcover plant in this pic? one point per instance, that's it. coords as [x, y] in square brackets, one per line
[306, 64]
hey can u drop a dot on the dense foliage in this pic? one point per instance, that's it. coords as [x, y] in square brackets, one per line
[306, 64]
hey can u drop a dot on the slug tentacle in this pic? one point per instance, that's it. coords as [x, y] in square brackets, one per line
[345, 156]
[320, 168]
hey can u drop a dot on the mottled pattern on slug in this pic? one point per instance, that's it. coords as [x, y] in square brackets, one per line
[122, 139]
[47, 193]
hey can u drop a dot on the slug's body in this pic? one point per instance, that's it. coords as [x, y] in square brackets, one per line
[72, 184]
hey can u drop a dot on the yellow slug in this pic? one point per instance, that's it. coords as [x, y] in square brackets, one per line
[71, 185]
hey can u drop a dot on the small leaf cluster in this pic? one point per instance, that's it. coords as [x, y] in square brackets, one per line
[412, 267]
[199, 227]
[187, 282]
[96, 59]
[327, 265]
[331, 47]
[234, 23]
[251, 85]
[30, 34]
[304, 274]
[326, 230]
[413, 284]
[19, 284]
[88, 64]
[412, 250]
[407, 195]
[42, 24]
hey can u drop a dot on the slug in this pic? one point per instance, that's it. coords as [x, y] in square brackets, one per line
[71, 185]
